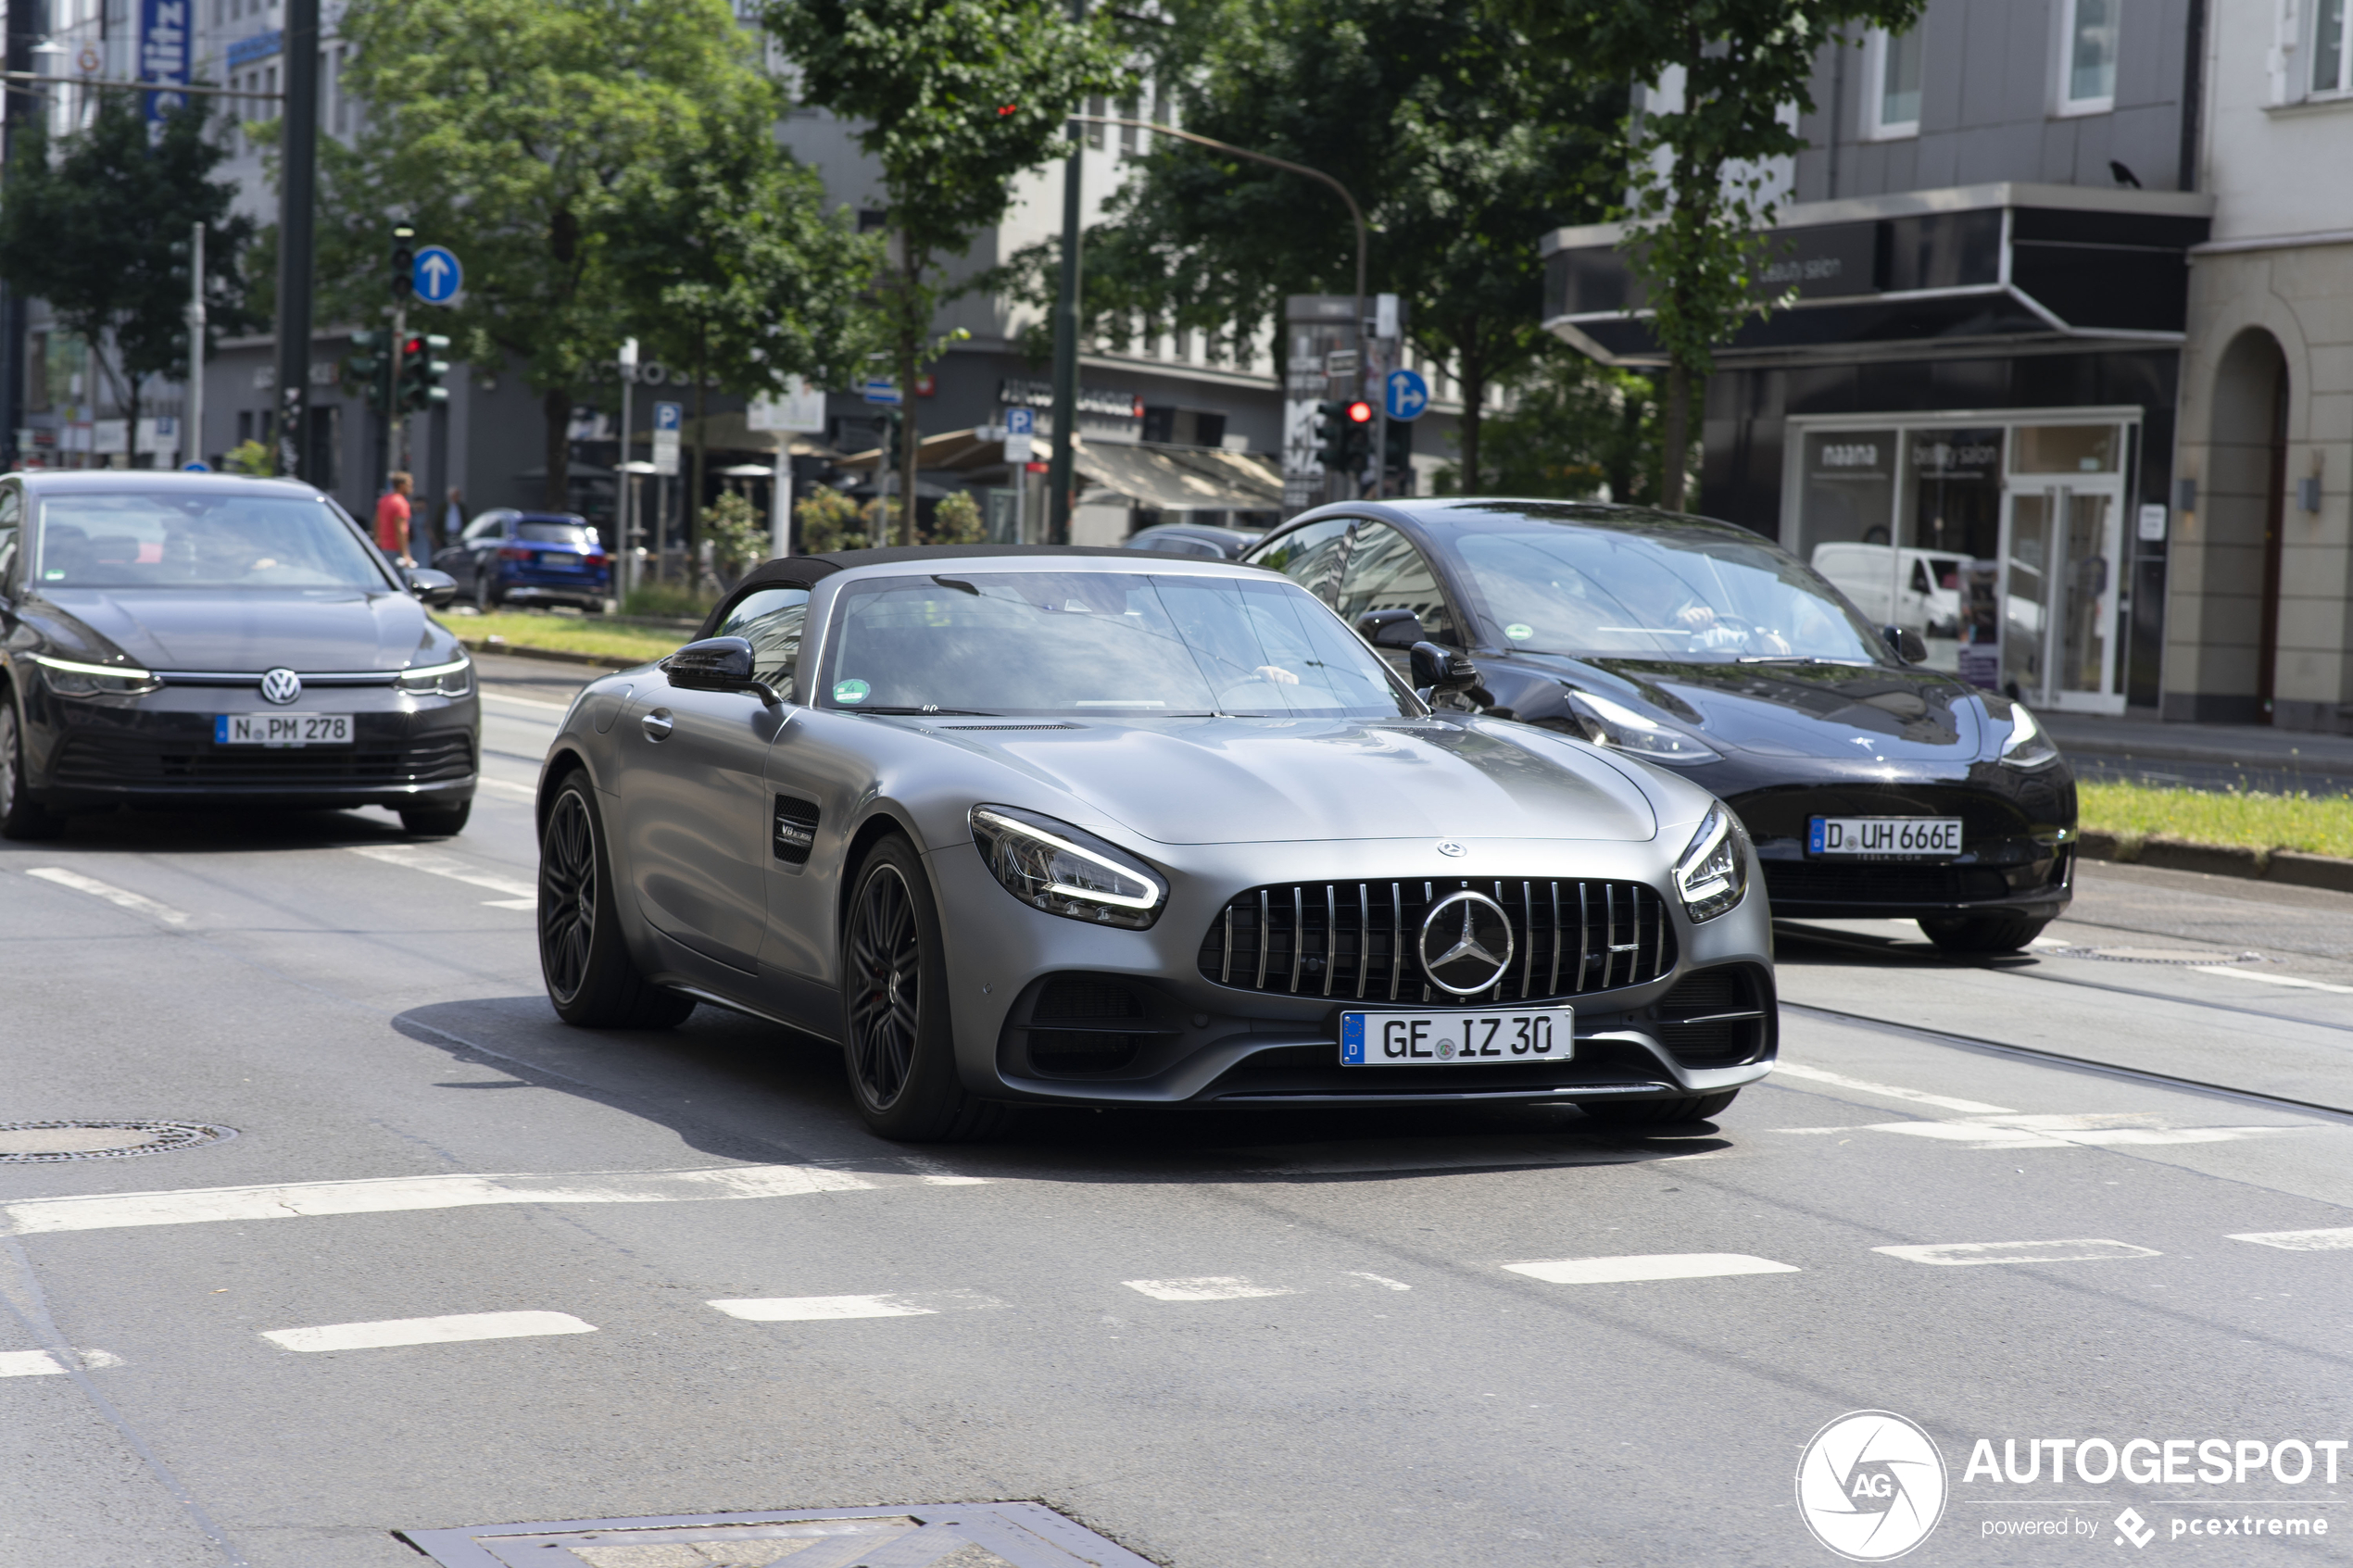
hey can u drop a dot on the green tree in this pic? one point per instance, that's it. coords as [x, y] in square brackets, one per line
[1575, 429]
[1461, 151]
[1700, 196]
[97, 224]
[520, 130]
[954, 98]
[738, 534]
[828, 520]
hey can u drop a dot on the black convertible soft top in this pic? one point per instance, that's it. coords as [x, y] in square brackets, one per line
[803, 571]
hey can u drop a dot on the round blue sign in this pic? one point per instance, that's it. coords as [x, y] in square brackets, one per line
[1406, 393]
[437, 275]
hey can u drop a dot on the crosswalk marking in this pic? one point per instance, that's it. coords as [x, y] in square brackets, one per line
[46, 1363]
[1957, 1253]
[818, 1309]
[390, 1194]
[1657, 1266]
[427, 1331]
[1787, 1069]
[2273, 979]
[121, 898]
[2338, 1240]
[432, 862]
[1207, 1287]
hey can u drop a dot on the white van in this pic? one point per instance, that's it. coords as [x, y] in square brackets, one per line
[1920, 589]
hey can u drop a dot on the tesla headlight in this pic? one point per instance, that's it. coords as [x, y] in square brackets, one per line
[67, 678]
[2029, 746]
[1065, 871]
[1713, 873]
[454, 679]
[1613, 723]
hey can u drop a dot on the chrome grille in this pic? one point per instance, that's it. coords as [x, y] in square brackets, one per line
[1355, 940]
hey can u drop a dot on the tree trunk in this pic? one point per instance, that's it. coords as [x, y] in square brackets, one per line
[1675, 440]
[555, 408]
[1473, 384]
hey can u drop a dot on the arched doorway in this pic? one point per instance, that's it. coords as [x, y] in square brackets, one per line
[2246, 508]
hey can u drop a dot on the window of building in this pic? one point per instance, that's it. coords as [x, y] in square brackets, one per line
[2330, 56]
[1892, 107]
[1129, 108]
[1097, 107]
[2087, 55]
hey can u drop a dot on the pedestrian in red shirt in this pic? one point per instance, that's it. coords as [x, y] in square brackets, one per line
[392, 521]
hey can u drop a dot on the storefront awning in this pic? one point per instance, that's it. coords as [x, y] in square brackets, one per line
[2003, 263]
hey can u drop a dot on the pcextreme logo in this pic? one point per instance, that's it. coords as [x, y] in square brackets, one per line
[1871, 1485]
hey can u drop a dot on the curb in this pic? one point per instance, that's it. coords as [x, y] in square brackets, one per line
[554, 656]
[2291, 867]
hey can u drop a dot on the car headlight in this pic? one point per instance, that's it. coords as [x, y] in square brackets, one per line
[1065, 871]
[454, 679]
[2029, 746]
[67, 678]
[1612, 723]
[1713, 873]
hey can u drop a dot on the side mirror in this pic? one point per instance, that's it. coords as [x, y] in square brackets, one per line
[717, 664]
[1391, 628]
[1437, 669]
[1907, 643]
[436, 588]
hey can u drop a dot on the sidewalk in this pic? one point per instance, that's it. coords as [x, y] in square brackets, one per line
[2203, 755]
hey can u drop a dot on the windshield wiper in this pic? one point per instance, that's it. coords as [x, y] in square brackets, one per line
[923, 712]
[1797, 658]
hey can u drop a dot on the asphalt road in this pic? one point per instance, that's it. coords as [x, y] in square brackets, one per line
[1274, 1339]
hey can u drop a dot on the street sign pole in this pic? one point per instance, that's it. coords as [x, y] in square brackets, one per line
[192, 409]
[298, 190]
[1060, 476]
[624, 547]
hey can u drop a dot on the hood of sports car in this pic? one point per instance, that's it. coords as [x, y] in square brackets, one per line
[252, 630]
[1241, 781]
[1827, 711]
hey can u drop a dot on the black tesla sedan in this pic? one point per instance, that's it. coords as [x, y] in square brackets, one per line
[1872, 786]
[181, 639]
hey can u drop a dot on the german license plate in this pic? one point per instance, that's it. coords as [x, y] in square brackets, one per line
[282, 729]
[1885, 837]
[560, 560]
[1456, 1039]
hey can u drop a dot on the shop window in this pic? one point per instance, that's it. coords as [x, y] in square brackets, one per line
[1892, 106]
[2066, 449]
[2087, 55]
[2330, 56]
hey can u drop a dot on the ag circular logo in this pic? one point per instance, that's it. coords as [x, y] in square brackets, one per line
[1466, 943]
[1871, 1485]
[280, 686]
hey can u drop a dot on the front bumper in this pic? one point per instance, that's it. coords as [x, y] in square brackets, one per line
[408, 752]
[1200, 1043]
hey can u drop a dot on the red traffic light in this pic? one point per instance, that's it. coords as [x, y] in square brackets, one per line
[414, 348]
[1360, 413]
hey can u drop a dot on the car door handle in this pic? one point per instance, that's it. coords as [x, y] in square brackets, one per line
[657, 724]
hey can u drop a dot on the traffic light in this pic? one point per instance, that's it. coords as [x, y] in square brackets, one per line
[893, 439]
[1331, 436]
[1397, 457]
[404, 262]
[1356, 437]
[367, 368]
[421, 369]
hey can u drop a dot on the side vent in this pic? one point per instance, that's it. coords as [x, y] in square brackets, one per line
[1715, 1017]
[1084, 1025]
[796, 830]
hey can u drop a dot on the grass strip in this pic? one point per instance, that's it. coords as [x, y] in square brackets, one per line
[2243, 819]
[568, 633]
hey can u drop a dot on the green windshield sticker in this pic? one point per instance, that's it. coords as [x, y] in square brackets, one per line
[850, 691]
[1520, 632]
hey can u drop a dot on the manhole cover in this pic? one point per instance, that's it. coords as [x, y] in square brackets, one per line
[988, 1534]
[36, 1143]
[2144, 955]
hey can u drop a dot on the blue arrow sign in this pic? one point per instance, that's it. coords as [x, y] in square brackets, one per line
[437, 275]
[1408, 395]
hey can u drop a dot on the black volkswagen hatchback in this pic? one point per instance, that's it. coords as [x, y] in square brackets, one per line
[1872, 786]
[181, 639]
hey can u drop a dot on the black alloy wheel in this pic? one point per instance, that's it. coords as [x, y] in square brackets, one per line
[1628, 1114]
[21, 817]
[438, 822]
[897, 1037]
[590, 976]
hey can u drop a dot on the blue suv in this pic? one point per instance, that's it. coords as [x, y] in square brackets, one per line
[529, 558]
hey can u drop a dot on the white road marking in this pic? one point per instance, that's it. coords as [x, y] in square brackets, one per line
[45, 1363]
[393, 1194]
[1381, 1280]
[510, 903]
[2244, 974]
[1787, 1069]
[939, 1175]
[1658, 1265]
[2071, 1132]
[2340, 1241]
[818, 1309]
[120, 897]
[1206, 1287]
[427, 1331]
[527, 702]
[500, 786]
[1957, 1253]
[520, 895]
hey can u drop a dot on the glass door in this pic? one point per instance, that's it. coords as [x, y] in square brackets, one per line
[2061, 624]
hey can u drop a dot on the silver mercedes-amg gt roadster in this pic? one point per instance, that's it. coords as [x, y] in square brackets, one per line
[1018, 825]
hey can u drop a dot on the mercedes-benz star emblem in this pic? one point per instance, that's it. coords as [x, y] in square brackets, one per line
[1448, 847]
[280, 686]
[1466, 943]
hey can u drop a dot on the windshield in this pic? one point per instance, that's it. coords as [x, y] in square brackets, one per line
[1683, 596]
[553, 532]
[1098, 644]
[198, 539]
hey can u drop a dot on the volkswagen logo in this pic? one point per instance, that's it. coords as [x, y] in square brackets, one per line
[280, 686]
[1466, 943]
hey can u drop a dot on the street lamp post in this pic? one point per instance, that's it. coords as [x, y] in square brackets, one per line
[192, 409]
[628, 549]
